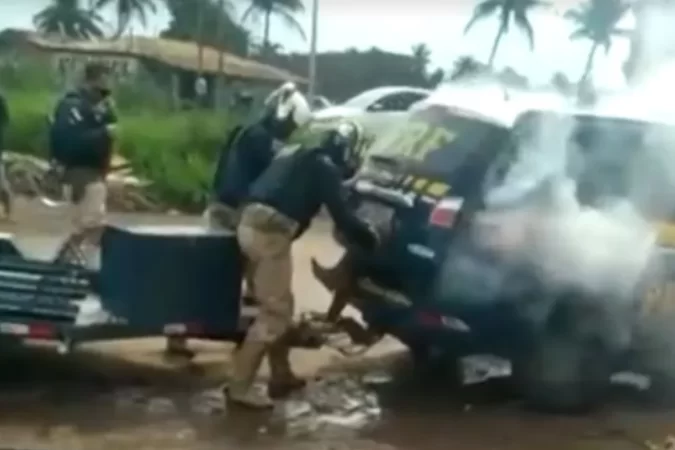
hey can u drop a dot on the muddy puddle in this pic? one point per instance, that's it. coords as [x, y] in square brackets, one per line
[47, 402]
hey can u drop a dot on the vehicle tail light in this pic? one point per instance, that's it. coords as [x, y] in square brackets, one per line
[445, 212]
[37, 330]
[429, 319]
[42, 331]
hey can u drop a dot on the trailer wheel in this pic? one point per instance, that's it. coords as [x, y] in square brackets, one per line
[563, 374]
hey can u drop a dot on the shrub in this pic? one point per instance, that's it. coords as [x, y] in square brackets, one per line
[29, 112]
[177, 151]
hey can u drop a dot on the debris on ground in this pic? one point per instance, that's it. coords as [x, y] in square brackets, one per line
[331, 406]
[32, 177]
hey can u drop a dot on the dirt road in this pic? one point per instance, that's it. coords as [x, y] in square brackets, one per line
[123, 395]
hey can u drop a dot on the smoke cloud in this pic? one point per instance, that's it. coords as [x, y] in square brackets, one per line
[576, 201]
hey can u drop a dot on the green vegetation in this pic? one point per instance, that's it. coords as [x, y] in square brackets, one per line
[597, 21]
[67, 17]
[284, 9]
[176, 151]
[508, 10]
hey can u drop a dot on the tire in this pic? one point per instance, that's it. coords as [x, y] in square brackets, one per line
[563, 374]
[654, 355]
[435, 365]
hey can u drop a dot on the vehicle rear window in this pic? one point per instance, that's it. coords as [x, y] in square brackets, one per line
[608, 158]
[433, 138]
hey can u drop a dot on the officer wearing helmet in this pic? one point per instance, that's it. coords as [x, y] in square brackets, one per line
[246, 153]
[280, 206]
[250, 150]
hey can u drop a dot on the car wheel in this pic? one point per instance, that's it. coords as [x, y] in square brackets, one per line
[563, 374]
[435, 364]
[654, 355]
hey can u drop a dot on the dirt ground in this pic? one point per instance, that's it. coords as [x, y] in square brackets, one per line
[123, 395]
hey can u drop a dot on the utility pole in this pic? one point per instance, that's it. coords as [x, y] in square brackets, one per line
[220, 78]
[200, 81]
[312, 51]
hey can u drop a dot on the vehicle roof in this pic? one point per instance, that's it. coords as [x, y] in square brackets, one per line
[366, 97]
[503, 108]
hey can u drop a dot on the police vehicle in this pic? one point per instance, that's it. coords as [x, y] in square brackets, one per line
[450, 277]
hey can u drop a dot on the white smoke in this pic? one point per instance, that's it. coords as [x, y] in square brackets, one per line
[534, 215]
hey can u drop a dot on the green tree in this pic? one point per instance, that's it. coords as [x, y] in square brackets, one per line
[508, 10]
[127, 10]
[466, 67]
[284, 9]
[561, 83]
[421, 57]
[215, 27]
[596, 20]
[67, 18]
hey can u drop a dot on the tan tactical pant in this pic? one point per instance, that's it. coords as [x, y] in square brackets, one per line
[225, 218]
[265, 237]
[87, 192]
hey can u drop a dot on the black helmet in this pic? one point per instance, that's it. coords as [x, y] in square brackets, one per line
[343, 143]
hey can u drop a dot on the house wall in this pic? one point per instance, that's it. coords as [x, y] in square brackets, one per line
[178, 83]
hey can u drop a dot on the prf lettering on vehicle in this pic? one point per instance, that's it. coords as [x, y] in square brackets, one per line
[414, 140]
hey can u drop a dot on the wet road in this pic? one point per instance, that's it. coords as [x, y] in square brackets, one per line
[122, 395]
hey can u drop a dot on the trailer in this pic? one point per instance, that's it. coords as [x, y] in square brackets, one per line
[159, 280]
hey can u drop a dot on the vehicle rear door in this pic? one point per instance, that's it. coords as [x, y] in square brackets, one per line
[418, 175]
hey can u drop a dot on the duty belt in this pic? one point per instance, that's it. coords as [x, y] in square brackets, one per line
[266, 218]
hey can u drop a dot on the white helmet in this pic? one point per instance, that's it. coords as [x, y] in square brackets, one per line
[288, 102]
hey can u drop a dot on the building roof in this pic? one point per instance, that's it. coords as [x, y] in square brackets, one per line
[179, 54]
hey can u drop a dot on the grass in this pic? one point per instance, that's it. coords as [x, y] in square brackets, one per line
[177, 151]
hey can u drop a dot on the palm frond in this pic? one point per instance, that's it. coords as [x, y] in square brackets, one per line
[251, 13]
[574, 15]
[524, 24]
[481, 11]
[291, 22]
[579, 34]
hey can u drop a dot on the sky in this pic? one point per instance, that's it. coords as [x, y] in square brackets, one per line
[397, 25]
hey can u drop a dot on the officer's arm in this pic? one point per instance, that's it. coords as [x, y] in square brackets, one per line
[329, 185]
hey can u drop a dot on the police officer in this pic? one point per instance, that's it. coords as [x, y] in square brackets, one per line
[249, 150]
[81, 137]
[245, 154]
[279, 208]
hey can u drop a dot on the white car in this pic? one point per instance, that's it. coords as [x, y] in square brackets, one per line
[320, 103]
[379, 100]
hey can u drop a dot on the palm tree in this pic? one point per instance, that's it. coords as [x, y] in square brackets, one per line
[421, 56]
[284, 9]
[508, 10]
[596, 20]
[466, 67]
[67, 18]
[127, 10]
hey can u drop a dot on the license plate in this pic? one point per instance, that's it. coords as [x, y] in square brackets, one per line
[376, 214]
[659, 298]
